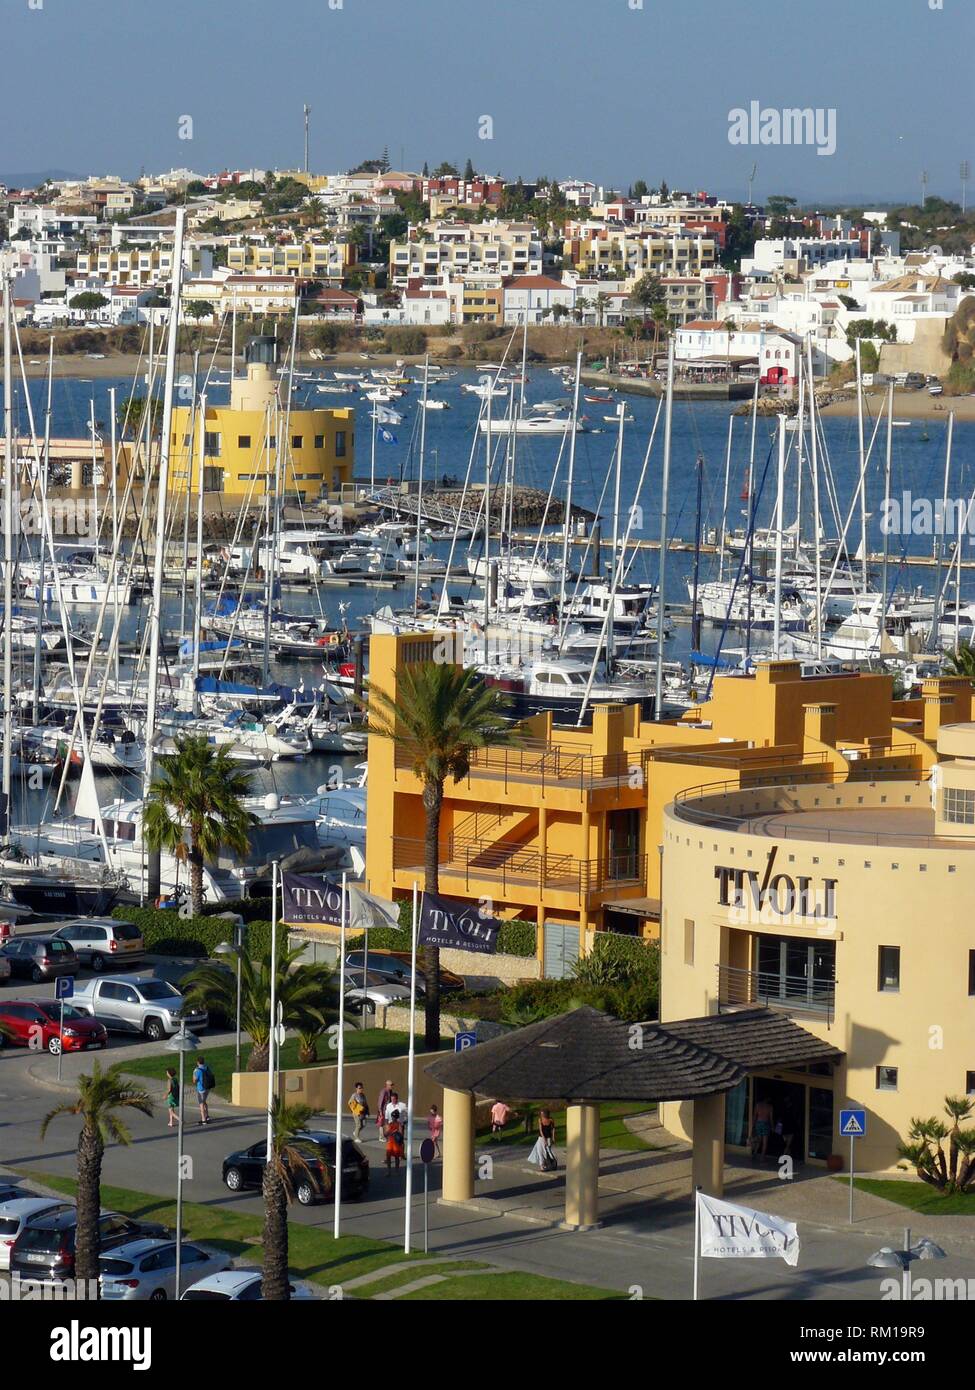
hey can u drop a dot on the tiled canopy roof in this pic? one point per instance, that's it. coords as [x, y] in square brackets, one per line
[586, 1055]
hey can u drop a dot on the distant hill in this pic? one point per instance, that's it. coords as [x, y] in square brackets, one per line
[35, 176]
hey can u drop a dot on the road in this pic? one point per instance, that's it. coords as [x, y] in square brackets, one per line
[642, 1245]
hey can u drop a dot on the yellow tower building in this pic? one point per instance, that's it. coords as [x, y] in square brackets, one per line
[243, 440]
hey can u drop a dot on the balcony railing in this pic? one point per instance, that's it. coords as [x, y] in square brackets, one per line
[464, 861]
[791, 994]
[551, 765]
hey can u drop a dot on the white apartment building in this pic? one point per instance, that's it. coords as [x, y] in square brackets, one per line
[533, 298]
[494, 247]
[792, 254]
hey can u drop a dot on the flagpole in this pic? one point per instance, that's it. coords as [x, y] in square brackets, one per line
[273, 1020]
[697, 1242]
[339, 1071]
[409, 1077]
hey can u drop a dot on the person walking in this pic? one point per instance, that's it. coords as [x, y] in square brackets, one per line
[543, 1154]
[172, 1098]
[394, 1103]
[360, 1109]
[384, 1098]
[435, 1126]
[204, 1081]
[393, 1131]
[500, 1111]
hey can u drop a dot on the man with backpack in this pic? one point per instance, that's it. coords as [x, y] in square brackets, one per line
[205, 1082]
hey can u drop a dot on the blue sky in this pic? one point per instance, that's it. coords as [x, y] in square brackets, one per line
[592, 88]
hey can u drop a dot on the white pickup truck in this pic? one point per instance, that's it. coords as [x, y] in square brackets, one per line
[130, 1004]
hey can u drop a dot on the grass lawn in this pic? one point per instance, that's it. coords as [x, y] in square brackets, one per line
[613, 1133]
[367, 1046]
[508, 1287]
[315, 1255]
[917, 1196]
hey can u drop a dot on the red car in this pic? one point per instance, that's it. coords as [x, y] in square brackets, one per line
[36, 1023]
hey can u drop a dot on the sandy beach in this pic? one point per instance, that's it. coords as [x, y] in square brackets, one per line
[908, 405]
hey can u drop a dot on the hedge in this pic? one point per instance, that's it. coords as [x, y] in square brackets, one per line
[166, 933]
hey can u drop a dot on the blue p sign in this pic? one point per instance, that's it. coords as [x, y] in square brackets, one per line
[462, 1041]
[64, 987]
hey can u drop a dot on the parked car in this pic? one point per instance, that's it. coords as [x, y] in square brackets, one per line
[45, 1249]
[40, 958]
[37, 1023]
[5, 970]
[245, 1168]
[239, 1286]
[102, 943]
[378, 992]
[19, 1212]
[128, 1004]
[145, 1270]
[395, 967]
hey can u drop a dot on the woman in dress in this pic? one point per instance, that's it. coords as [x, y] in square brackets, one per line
[543, 1154]
[172, 1098]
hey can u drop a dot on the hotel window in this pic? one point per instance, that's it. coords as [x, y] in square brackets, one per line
[296, 441]
[243, 441]
[970, 1083]
[211, 443]
[340, 444]
[886, 1078]
[889, 969]
[958, 806]
[319, 441]
[971, 972]
[688, 941]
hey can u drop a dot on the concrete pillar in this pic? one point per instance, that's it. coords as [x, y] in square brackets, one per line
[458, 1146]
[581, 1166]
[707, 1162]
[77, 475]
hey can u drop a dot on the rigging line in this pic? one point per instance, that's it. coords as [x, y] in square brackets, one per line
[741, 566]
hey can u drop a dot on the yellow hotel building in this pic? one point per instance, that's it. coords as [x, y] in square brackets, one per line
[241, 440]
[801, 843]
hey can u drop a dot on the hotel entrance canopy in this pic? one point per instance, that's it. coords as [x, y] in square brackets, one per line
[582, 1058]
[587, 1056]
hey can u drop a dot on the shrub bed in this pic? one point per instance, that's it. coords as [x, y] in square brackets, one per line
[166, 933]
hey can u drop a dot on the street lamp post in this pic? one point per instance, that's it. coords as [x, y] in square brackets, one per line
[182, 1042]
[234, 948]
[886, 1258]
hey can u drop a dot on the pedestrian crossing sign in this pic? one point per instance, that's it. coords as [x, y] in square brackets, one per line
[853, 1123]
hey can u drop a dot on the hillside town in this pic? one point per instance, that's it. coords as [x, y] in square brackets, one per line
[375, 249]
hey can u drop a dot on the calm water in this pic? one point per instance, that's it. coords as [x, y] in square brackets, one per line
[698, 430]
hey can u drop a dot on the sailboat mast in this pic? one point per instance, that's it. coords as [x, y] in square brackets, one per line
[817, 532]
[8, 567]
[664, 494]
[616, 562]
[863, 474]
[487, 518]
[779, 509]
[568, 491]
[695, 613]
[419, 494]
[724, 502]
[159, 553]
[940, 547]
[198, 578]
[40, 492]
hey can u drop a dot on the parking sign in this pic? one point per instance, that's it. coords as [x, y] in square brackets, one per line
[64, 987]
[462, 1041]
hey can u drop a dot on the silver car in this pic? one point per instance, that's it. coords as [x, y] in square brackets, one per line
[103, 943]
[20, 1212]
[144, 1270]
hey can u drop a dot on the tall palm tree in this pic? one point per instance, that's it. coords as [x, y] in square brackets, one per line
[440, 715]
[285, 1170]
[302, 990]
[195, 807]
[99, 1097]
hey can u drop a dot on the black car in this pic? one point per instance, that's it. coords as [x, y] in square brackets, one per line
[45, 1250]
[40, 958]
[245, 1168]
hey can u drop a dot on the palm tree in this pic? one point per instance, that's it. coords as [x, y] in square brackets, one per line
[301, 990]
[961, 662]
[285, 1164]
[440, 716]
[99, 1097]
[195, 807]
[954, 1172]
